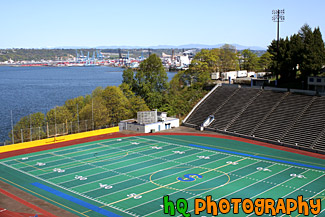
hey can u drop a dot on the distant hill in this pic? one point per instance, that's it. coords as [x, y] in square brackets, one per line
[185, 46]
[201, 46]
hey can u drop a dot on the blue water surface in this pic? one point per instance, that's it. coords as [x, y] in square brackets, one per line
[26, 90]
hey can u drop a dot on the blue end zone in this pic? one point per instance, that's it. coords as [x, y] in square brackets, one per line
[259, 157]
[75, 200]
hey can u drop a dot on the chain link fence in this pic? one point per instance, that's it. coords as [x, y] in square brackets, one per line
[53, 130]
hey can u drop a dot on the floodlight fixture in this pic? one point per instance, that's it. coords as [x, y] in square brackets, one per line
[278, 16]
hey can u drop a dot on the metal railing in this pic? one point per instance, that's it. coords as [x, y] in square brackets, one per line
[52, 130]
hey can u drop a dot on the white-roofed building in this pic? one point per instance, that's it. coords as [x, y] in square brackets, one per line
[149, 122]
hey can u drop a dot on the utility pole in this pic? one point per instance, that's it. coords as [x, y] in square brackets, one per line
[278, 16]
[12, 129]
[30, 127]
[55, 123]
[92, 113]
[78, 118]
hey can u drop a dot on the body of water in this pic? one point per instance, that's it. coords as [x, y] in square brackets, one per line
[26, 90]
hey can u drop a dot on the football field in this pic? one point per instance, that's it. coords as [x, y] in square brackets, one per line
[129, 176]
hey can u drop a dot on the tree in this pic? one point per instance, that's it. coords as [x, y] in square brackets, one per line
[75, 105]
[313, 51]
[150, 78]
[319, 51]
[307, 62]
[97, 92]
[96, 111]
[283, 62]
[116, 103]
[228, 58]
[128, 77]
[180, 102]
[59, 115]
[203, 64]
[264, 62]
[178, 82]
[27, 126]
[304, 51]
[250, 60]
[136, 103]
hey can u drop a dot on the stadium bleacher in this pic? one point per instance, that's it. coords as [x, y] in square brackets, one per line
[278, 117]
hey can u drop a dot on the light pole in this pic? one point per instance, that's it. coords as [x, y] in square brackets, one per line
[12, 128]
[278, 16]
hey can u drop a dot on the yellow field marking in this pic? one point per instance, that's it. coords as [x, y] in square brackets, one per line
[26, 189]
[209, 170]
[239, 150]
[189, 189]
[92, 210]
[164, 186]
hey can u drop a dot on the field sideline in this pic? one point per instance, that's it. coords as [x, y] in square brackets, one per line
[129, 176]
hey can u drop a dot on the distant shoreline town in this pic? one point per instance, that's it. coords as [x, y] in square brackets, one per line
[172, 59]
[84, 58]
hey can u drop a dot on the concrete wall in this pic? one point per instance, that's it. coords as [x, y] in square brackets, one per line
[136, 127]
[160, 126]
[148, 128]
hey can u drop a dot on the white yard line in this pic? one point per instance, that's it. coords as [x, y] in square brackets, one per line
[143, 174]
[120, 167]
[85, 196]
[247, 186]
[252, 157]
[215, 187]
[283, 186]
[166, 176]
[300, 189]
[183, 190]
[72, 158]
[123, 160]
[65, 149]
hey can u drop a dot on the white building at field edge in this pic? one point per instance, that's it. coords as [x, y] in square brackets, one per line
[149, 122]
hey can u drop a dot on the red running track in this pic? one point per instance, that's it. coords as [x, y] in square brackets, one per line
[7, 213]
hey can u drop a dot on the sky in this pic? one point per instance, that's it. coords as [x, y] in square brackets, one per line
[92, 23]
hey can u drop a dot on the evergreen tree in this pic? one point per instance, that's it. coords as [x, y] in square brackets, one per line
[304, 52]
[313, 52]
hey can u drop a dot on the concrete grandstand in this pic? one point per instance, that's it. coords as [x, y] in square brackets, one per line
[275, 116]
